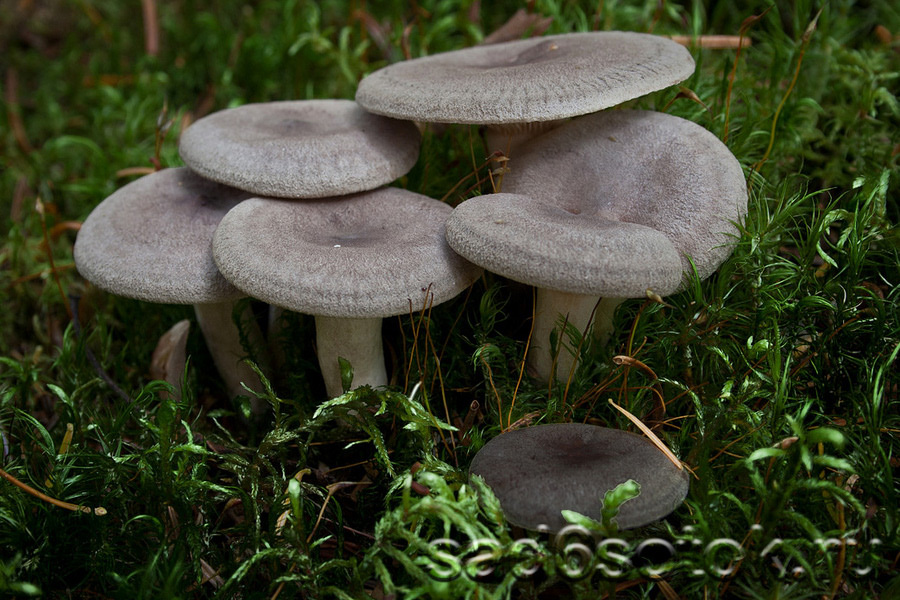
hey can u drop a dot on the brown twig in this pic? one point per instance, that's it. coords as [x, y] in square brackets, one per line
[39, 207]
[151, 27]
[804, 44]
[745, 26]
[76, 327]
[524, 359]
[11, 97]
[646, 430]
[713, 42]
[99, 511]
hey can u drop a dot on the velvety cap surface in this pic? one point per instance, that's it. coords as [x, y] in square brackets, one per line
[539, 471]
[151, 239]
[538, 79]
[300, 149]
[641, 169]
[564, 248]
[365, 255]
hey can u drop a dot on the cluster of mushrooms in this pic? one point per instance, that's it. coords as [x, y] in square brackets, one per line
[288, 203]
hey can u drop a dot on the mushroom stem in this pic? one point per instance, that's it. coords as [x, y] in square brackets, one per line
[356, 340]
[223, 339]
[508, 137]
[551, 308]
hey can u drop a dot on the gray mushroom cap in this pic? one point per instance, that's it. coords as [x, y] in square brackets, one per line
[151, 239]
[548, 246]
[374, 254]
[300, 149]
[539, 79]
[539, 471]
[640, 169]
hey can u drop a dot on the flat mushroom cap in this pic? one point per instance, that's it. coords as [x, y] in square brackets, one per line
[536, 472]
[641, 169]
[151, 239]
[365, 255]
[538, 79]
[563, 248]
[300, 148]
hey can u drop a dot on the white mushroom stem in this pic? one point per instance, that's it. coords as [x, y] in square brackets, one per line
[357, 341]
[223, 339]
[551, 308]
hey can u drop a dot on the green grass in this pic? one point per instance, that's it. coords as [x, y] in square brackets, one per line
[779, 372]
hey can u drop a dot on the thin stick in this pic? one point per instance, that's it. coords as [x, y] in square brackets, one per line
[493, 387]
[151, 27]
[39, 207]
[555, 361]
[331, 490]
[479, 180]
[453, 328]
[803, 46]
[629, 361]
[429, 342]
[99, 511]
[13, 114]
[76, 327]
[524, 358]
[745, 26]
[713, 42]
[656, 441]
[572, 369]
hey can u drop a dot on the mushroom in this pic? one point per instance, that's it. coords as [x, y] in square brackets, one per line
[523, 87]
[539, 471]
[349, 261]
[170, 357]
[606, 207]
[300, 148]
[151, 240]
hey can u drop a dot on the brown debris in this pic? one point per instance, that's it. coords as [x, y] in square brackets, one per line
[518, 25]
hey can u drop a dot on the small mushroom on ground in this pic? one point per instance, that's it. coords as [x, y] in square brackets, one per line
[606, 207]
[515, 87]
[350, 261]
[300, 148]
[170, 357]
[539, 471]
[151, 240]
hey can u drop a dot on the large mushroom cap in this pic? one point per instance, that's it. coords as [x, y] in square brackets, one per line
[374, 254]
[151, 239]
[640, 169]
[300, 149]
[563, 248]
[539, 471]
[539, 79]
